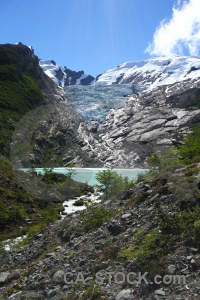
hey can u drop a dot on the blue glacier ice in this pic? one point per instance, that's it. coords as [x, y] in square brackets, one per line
[94, 102]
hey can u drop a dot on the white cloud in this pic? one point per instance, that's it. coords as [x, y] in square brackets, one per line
[180, 33]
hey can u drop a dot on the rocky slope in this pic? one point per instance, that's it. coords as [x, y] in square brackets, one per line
[143, 233]
[26, 93]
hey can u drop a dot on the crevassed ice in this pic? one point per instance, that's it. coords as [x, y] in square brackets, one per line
[94, 102]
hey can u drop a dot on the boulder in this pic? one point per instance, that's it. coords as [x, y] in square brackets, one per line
[126, 216]
[114, 227]
[160, 292]
[58, 277]
[171, 269]
[126, 195]
[125, 295]
[4, 276]
[54, 198]
[51, 255]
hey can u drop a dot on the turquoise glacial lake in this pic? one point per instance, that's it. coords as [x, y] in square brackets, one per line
[87, 175]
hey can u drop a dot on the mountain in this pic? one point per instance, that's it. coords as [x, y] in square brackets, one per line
[63, 76]
[120, 119]
[136, 108]
[144, 74]
[151, 73]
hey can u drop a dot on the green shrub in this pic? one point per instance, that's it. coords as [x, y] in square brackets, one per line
[93, 217]
[11, 214]
[113, 183]
[79, 202]
[140, 177]
[167, 161]
[93, 293]
[190, 150]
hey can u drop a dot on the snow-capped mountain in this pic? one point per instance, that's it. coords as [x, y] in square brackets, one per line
[152, 73]
[133, 109]
[157, 117]
[144, 74]
[63, 76]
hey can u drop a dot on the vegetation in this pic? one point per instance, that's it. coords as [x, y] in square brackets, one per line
[165, 162]
[79, 202]
[190, 150]
[90, 220]
[172, 177]
[94, 217]
[173, 158]
[113, 183]
[93, 292]
[17, 206]
[70, 173]
[20, 89]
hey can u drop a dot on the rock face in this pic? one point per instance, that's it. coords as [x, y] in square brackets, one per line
[125, 295]
[53, 198]
[42, 112]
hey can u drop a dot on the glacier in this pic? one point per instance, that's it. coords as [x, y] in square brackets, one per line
[92, 99]
[92, 103]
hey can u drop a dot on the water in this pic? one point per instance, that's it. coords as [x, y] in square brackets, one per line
[9, 244]
[87, 175]
[70, 208]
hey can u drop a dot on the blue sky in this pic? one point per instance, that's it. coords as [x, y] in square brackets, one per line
[96, 35]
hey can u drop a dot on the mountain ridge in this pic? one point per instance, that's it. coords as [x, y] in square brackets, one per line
[145, 74]
[63, 76]
[153, 72]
